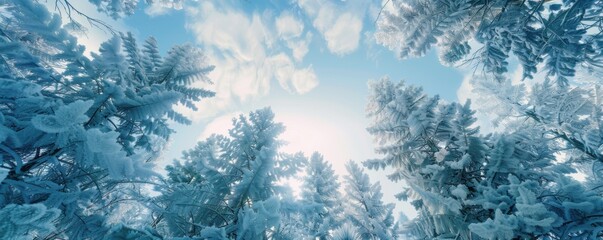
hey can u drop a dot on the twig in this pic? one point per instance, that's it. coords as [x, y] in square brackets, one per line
[379, 14]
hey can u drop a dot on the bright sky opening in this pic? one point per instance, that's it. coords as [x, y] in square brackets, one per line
[308, 60]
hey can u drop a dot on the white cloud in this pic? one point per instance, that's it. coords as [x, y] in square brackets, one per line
[290, 29]
[339, 22]
[304, 80]
[283, 68]
[288, 26]
[158, 8]
[247, 50]
[232, 33]
[154, 10]
[300, 47]
[344, 35]
[291, 79]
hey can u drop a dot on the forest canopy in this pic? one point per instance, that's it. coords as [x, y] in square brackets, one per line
[81, 132]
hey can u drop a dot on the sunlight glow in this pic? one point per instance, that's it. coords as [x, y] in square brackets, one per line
[305, 133]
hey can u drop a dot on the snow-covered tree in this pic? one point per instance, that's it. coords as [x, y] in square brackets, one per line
[568, 120]
[364, 208]
[465, 185]
[551, 127]
[560, 38]
[229, 184]
[320, 195]
[73, 128]
[431, 147]
[562, 35]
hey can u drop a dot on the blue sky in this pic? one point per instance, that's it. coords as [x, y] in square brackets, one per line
[308, 60]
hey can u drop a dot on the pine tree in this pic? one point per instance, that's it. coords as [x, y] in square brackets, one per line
[229, 184]
[465, 185]
[73, 129]
[561, 35]
[320, 195]
[550, 128]
[365, 210]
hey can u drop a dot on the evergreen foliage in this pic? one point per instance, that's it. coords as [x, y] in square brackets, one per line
[561, 35]
[372, 218]
[230, 184]
[514, 184]
[73, 128]
[78, 136]
[320, 194]
[465, 185]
